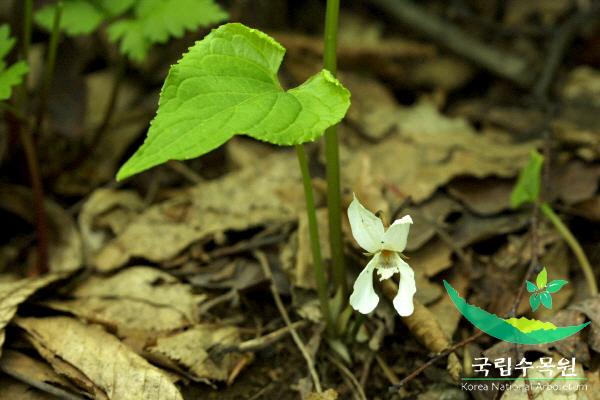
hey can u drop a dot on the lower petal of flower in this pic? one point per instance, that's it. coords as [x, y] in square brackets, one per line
[403, 302]
[363, 298]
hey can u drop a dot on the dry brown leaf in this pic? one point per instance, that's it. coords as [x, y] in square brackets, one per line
[424, 326]
[13, 293]
[144, 285]
[36, 373]
[591, 308]
[12, 389]
[189, 351]
[106, 208]
[302, 274]
[426, 217]
[429, 149]
[65, 247]
[329, 394]
[483, 196]
[575, 182]
[267, 192]
[115, 371]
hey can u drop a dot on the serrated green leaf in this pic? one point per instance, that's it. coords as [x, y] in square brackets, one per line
[542, 279]
[546, 299]
[156, 21]
[227, 84]
[11, 77]
[527, 189]
[6, 43]
[556, 285]
[534, 301]
[531, 287]
[81, 17]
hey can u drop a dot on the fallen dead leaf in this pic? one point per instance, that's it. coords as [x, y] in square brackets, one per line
[482, 196]
[267, 192]
[96, 361]
[15, 292]
[37, 373]
[190, 352]
[13, 389]
[429, 149]
[106, 209]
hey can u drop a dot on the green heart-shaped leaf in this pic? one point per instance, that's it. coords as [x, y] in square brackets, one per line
[227, 84]
[534, 301]
[556, 285]
[542, 279]
[546, 299]
[531, 287]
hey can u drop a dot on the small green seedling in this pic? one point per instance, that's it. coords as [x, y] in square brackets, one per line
[135, 24]
[542, 290]
[226, 85]
[13, 75]
[527, 190]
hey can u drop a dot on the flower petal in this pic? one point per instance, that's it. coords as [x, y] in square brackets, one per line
[403, 302]
[395, 237]
[367, 229]
[388, 264]
[363, 298]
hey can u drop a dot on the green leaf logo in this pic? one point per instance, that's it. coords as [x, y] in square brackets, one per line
[542, 278]
[541, 290]
[556, 285]
[227, 84]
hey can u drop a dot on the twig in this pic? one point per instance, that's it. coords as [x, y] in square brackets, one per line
[434, 359]
[262, 259]
[558, 47]
[387, 371]
[264, 341]
[359, 392]
[454, 39]
[184, 171]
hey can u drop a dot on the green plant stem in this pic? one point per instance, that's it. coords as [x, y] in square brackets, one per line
[334, 200]
[27, 22]
[50, 64]
[574, 245]
[315, 245]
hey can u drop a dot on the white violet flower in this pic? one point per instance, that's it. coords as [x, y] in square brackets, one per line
[386, 247]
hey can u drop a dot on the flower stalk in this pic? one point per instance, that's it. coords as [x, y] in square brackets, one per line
[315, 245]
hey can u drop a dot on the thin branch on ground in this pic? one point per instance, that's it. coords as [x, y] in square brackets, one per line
[262, 259]
[262, 342]
[501, 63]
[358, 391]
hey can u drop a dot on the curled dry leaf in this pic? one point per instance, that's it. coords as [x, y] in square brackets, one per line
[425, 327]
[190, 351]
[96, 361]
[37, 373]
[482, 196]
[267, 192]
[13, 293]
[13, 389]
[106, 209]
[65, 248]
[429, 149]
